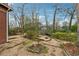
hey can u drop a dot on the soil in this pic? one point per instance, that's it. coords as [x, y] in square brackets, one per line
[72, 49]
[15, 47]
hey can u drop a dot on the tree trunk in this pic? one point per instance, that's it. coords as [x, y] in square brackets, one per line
[22, 18]
[70, 23]
[45, 13]
[54, 19]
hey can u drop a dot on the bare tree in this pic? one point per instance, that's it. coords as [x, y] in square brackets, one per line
[18, 14]
[54, 17]
[45, 14]
[57, 25]
[14, 13]
[22, 17]
[35, 18]
[71, 15]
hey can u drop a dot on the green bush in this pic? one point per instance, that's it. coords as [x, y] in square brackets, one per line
[65, 36]
[31, 34]
[74, 28]
[12, 31]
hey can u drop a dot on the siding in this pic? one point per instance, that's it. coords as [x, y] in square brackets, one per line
[2, 27]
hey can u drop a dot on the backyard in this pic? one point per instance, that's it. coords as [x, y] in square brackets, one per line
[18, 45]
[41, 30]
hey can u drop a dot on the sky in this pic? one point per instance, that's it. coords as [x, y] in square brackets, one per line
[49, 7]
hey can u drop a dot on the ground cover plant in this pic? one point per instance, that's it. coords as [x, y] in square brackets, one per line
[72, 37]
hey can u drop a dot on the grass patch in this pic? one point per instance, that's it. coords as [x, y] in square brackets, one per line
[27, 42]
[72, 37]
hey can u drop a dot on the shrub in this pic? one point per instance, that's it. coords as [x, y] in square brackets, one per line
[65, 36]
[74, 28]
[12, 31]
[31, 34]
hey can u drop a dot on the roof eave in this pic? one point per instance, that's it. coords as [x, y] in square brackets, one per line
[9, 9]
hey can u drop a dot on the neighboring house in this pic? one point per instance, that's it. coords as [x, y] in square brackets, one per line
[4, 8]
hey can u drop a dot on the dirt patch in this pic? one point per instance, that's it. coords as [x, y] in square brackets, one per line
[21, 49]
[71, 49]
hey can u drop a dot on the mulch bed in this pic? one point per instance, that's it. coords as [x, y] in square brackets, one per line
[71, 49]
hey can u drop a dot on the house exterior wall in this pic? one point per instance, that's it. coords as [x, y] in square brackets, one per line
[2, 27]
[3, 23]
